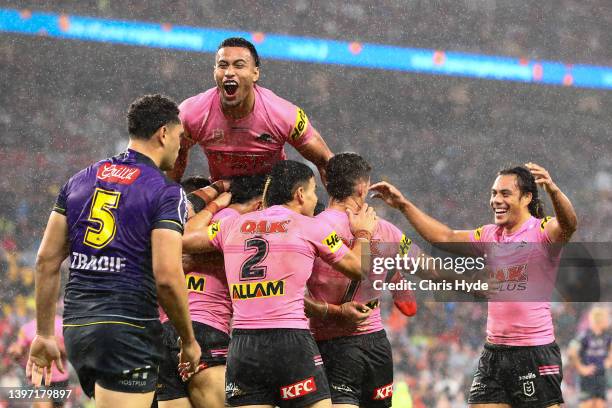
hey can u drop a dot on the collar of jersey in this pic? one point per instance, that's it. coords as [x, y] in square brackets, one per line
[524, 227]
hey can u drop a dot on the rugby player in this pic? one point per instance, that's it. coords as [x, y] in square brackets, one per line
[521, 363]
[269, 254]
[241, 126]
[590, 353]
[120, 220]
[211, 311]
[357, 360]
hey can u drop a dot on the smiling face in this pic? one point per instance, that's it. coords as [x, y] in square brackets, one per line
[509, 205]
[235, 75]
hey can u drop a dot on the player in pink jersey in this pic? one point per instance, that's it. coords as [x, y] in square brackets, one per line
[521, 364]
[358, 360]
[211, 311]
[20, 347]
[241, 126]
[269, 255]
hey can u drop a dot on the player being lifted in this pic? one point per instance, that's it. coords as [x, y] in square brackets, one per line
[521, 363]
[591, 354]
[210, 307]
[269, 254]
[358, 360]
[120, 221]
[241, 126]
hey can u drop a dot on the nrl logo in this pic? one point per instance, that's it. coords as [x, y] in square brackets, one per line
[528, 388]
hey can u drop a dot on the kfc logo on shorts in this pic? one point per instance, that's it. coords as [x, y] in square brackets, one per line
[384, 392]
[299, 389]
[117, 173]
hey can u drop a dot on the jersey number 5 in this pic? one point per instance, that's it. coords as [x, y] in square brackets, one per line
[100, 213]
[250, 268]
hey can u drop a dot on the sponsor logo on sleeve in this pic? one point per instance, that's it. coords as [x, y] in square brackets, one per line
[299, 389]
[213, 230]
[301, 123]
[117, 173]
[478, 233]
[405, 244]
[544, 222]
[333, 242]
[195, 283]
[258, 290]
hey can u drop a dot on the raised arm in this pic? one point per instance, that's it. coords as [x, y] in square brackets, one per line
[196, 238]
[432, 230]
[564, 224]
[317, 152]
[183, 157]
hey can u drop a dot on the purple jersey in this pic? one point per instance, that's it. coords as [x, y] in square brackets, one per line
[594, 349]
[111, 208]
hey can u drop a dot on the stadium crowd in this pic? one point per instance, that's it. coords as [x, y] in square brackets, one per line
[439, 139]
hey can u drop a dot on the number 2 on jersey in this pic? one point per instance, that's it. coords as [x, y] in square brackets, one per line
[100, 213]
[250, 268]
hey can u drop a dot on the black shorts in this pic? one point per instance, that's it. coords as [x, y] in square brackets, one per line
[214, 345]
[359, 369]
[518, 376]
[593, 387]
[119, 356]
[281, 367]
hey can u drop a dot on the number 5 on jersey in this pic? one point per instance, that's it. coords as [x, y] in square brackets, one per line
[100, 213]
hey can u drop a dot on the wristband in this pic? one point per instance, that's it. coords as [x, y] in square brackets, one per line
[326, 310]
[363, 234]
[218, 186]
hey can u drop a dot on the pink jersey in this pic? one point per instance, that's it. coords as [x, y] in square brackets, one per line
[26, 336]
[524, 270]
[333, 287]
[269, 256]
[246, 146]
[209, 301]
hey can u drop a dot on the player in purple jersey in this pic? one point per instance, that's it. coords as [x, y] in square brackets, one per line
[521, 364]
[120, 223]
[591, 354]
[241, 126]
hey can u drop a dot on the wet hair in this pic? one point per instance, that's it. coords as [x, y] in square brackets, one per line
[194, 183]
[319, 208]
[344, 171]
[286, 177]
[150, 112]
[526, 184]
[246, 188]
[243, 43]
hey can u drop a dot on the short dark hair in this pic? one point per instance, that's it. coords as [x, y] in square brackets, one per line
[246, 188]
[150, 112]
[286, 177]
[526, 184]
[243, 43]
[194, 183]
[344, 171]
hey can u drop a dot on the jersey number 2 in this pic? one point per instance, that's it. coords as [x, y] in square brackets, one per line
[100, 213]
[250, 268]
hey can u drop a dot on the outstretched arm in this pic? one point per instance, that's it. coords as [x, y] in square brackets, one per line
[432, 230]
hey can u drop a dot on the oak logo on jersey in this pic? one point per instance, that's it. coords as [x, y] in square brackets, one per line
[301, 123]
[511, 278]
[256, 290]
[333, 242]
[118, 173]
[299, 389]
[213, 230]
[384, 392]
[195, 283]
[264, 227]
